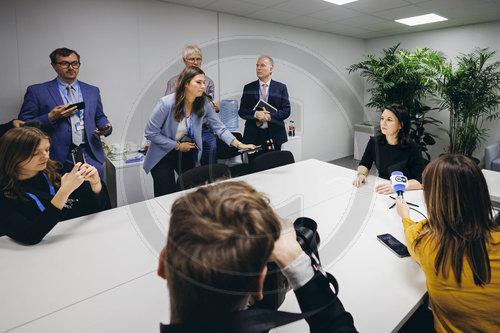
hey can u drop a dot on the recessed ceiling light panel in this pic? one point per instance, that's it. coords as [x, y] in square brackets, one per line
[340, 2]
[422, 19]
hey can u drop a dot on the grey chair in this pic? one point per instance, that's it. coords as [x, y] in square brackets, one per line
[492, 157]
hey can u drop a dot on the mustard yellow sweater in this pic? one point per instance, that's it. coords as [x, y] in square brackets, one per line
[458, 308]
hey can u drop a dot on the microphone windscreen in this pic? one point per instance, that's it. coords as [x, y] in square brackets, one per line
[398, 181]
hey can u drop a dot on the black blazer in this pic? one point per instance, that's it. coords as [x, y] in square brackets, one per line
[278, 97]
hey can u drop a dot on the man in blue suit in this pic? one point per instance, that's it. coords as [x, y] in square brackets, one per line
[262, 125]
[69, 128]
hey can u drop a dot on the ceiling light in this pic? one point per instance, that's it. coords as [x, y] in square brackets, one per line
[340, 2]
[422, 19]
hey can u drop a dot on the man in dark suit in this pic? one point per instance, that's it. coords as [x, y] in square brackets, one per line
[68, 127]
[262, 125]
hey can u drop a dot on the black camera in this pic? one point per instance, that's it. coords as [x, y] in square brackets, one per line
[275, 284]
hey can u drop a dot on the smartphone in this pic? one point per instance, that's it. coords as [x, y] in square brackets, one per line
[187, 138]
[77, 155]
[257, 148]
[394, 245]
[79, 106]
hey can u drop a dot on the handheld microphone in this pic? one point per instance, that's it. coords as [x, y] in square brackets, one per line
[399, 183]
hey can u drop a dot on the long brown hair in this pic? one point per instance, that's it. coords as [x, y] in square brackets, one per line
[219, 240]
[460, 216]
[17, 146]
[180, 94]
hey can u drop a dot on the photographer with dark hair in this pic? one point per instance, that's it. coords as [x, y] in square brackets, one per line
[220, 239]
[391, 149]
[34, 196]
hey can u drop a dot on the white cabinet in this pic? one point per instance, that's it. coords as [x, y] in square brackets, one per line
[294, 144]
[127, 183]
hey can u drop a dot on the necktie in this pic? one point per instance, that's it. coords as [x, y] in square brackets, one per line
[76, 134]
[71, 94]
[264, 91]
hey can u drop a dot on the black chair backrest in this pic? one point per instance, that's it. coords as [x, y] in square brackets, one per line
[201, 175]
[224, 151]
[271, 160]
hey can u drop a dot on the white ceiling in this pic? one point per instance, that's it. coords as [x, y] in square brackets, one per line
[362, 19]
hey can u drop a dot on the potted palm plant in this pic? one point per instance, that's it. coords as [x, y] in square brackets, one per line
[406, 78]
[470, 91]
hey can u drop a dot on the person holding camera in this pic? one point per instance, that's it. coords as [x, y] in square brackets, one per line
[175, 131]
[34, 197]
[219, 242]
[458, 246]
[58, 105]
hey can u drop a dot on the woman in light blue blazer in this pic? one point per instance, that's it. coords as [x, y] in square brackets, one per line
[174, 130]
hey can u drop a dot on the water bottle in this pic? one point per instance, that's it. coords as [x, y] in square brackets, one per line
[229, 114]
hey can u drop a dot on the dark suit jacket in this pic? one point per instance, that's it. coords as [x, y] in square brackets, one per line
[41, 98]
[5, 127]
[278, 97]
[313, 295]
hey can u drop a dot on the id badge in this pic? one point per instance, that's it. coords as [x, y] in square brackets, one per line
[80, 126]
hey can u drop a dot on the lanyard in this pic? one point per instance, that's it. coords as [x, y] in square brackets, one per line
[260, 91]
[63, 91]
[189, 129]
[34, 197]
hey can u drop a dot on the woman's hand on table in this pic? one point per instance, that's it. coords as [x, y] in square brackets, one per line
[384, 188]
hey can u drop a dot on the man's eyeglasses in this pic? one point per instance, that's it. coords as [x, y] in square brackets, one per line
[193, 60]
[65, 64]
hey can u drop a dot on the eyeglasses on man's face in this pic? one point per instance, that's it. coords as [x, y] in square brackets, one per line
[65, 64]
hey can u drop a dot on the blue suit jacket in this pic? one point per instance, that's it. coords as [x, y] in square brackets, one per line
[278, 97]
[162, 128]
[41, 98]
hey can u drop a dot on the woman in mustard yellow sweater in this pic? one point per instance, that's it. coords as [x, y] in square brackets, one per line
[458, 247]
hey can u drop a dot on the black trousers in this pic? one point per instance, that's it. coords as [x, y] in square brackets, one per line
[163, 171]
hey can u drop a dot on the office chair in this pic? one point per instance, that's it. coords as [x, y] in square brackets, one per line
[492, 157]
[201, 175]
[229, 156]
[271, 160]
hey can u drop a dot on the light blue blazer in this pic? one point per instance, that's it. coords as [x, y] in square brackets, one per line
[162, 127]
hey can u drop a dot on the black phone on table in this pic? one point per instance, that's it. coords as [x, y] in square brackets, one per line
[79, 106]
[394, 245]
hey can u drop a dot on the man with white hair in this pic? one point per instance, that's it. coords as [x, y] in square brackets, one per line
[261, 124]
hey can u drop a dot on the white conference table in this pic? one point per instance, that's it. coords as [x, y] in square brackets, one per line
[98, 273]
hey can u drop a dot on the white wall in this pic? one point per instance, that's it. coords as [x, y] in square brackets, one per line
[130, 48]
[451, 42]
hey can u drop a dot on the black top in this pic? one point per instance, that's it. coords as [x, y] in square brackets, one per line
[5, 127]
[23, 220]
[389, 158]
[315, 294]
